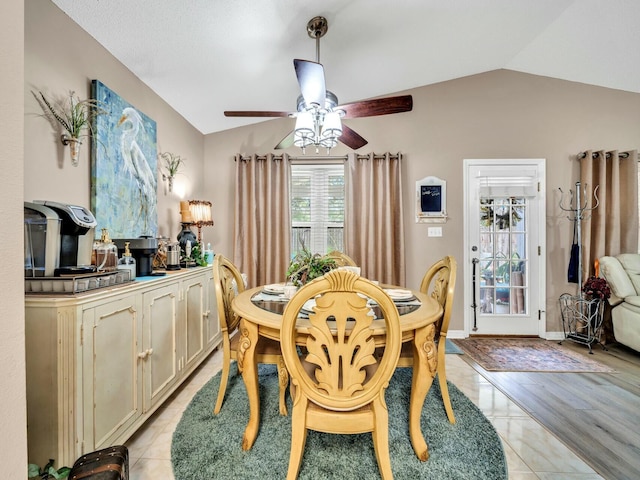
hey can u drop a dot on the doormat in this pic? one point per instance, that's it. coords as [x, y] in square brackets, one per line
[527, 355]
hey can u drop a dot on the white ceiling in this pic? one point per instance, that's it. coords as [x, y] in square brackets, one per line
[206, 56]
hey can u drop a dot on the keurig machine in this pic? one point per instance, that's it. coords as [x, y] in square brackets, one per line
[58, 238]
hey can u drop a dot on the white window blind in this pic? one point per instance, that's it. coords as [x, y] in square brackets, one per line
[317, 207]
[505, 184]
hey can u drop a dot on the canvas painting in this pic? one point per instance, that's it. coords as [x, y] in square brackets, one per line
[123, 168]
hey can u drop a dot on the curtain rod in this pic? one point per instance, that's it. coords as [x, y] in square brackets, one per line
[332, 159]
[581, 155]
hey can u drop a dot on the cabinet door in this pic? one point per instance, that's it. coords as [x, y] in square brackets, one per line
[112, 401]
[212, 325]
[159, 352]
[193, 291]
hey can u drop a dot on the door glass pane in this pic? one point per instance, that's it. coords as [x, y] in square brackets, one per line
[503, 256]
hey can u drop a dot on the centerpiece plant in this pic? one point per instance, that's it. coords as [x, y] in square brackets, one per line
[306, 266]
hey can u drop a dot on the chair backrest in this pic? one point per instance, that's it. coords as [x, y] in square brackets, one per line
[340, 345]
[441, 280]
[228, 283]
[341, 259]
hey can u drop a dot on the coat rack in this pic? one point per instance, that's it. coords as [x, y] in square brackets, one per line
[581, 317]
[579, 211]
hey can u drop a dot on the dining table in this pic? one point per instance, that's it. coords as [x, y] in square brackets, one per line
[261, 316]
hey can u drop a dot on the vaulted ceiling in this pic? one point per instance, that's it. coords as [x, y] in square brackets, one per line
[206, 56]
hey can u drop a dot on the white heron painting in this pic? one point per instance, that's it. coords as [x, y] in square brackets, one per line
[124, 168]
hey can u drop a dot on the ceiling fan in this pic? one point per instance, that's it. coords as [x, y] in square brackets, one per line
[318, 115]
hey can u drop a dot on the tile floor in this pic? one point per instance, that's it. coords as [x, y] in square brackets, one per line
[532, 452]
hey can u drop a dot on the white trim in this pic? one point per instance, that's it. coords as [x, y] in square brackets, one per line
[539, 164]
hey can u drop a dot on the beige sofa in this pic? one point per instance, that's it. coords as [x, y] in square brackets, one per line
[622, 272]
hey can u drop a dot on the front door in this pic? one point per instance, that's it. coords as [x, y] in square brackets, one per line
[504, 236]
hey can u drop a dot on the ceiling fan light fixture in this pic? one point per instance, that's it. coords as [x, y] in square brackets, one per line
[318, 113]
[332, 127]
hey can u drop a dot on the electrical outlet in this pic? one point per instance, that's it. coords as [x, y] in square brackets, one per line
[434, 231]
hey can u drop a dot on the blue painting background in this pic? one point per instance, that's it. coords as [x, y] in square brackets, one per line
[123, 168]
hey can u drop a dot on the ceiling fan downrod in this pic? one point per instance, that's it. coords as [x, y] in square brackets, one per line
[316, 28]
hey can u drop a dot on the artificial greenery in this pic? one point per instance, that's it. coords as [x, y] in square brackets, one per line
[306, 266]
[196, 257]
[74, 115]
[48, 471]
[172, 162]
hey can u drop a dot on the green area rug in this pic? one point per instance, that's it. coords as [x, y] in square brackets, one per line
[209, 446]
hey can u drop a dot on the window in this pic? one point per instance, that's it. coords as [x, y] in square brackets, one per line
[317, 207]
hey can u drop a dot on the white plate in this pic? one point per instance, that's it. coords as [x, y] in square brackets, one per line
[397, 294]
[274, 289]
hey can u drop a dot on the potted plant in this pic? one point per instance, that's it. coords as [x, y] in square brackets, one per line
[74, 116]
[306, 266]
[48, 471]
[172, 164]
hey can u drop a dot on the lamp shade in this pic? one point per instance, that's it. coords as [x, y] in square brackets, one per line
[332, 125]
[201, 212]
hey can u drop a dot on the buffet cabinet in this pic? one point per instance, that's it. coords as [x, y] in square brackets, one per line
[99, 364]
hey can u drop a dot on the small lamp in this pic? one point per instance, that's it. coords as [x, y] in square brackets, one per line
[201, 214]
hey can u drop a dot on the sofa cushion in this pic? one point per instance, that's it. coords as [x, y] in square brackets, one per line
[631, 264]
[633, 300]
[613, 271]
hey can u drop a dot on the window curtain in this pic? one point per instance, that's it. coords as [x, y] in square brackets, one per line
[611, 228]
[374, 227]
[262, 218]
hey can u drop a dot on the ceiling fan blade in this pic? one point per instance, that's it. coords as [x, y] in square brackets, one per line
[286, 142]
[351, 139]
[311, 79]
[251, 113]
[379, 106]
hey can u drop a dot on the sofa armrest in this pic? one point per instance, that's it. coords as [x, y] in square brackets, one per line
[613, 272]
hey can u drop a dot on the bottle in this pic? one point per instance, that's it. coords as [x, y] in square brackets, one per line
[106, 253]
[127, 262]
[208, 255]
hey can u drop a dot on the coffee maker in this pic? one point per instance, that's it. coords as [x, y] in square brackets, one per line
[58, 239]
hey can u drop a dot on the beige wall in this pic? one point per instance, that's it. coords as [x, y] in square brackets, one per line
[61, 57]
[13, 441]
[499, 114]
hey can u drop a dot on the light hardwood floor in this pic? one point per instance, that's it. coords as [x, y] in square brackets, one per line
[597, 415]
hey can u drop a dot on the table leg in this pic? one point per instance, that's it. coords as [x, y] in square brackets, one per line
[249, 369]
[424, 370]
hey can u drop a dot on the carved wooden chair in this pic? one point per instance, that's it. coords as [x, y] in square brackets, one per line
[341, 259]
[338, 384]
[440, 281]
[228, 283]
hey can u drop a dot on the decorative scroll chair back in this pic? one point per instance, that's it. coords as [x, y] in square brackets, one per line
[342, 259]
[440, 282]
[338, 384]
[228, 283]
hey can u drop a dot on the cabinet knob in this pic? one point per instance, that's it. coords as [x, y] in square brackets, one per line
[150, 352]
[142, 355]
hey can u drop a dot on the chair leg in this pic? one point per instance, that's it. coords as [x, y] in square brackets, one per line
[381, 439]
[298, 440]
[283, 382]
[444, 389]
[224, 378]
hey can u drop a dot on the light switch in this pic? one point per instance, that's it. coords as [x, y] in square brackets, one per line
[434, 231]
